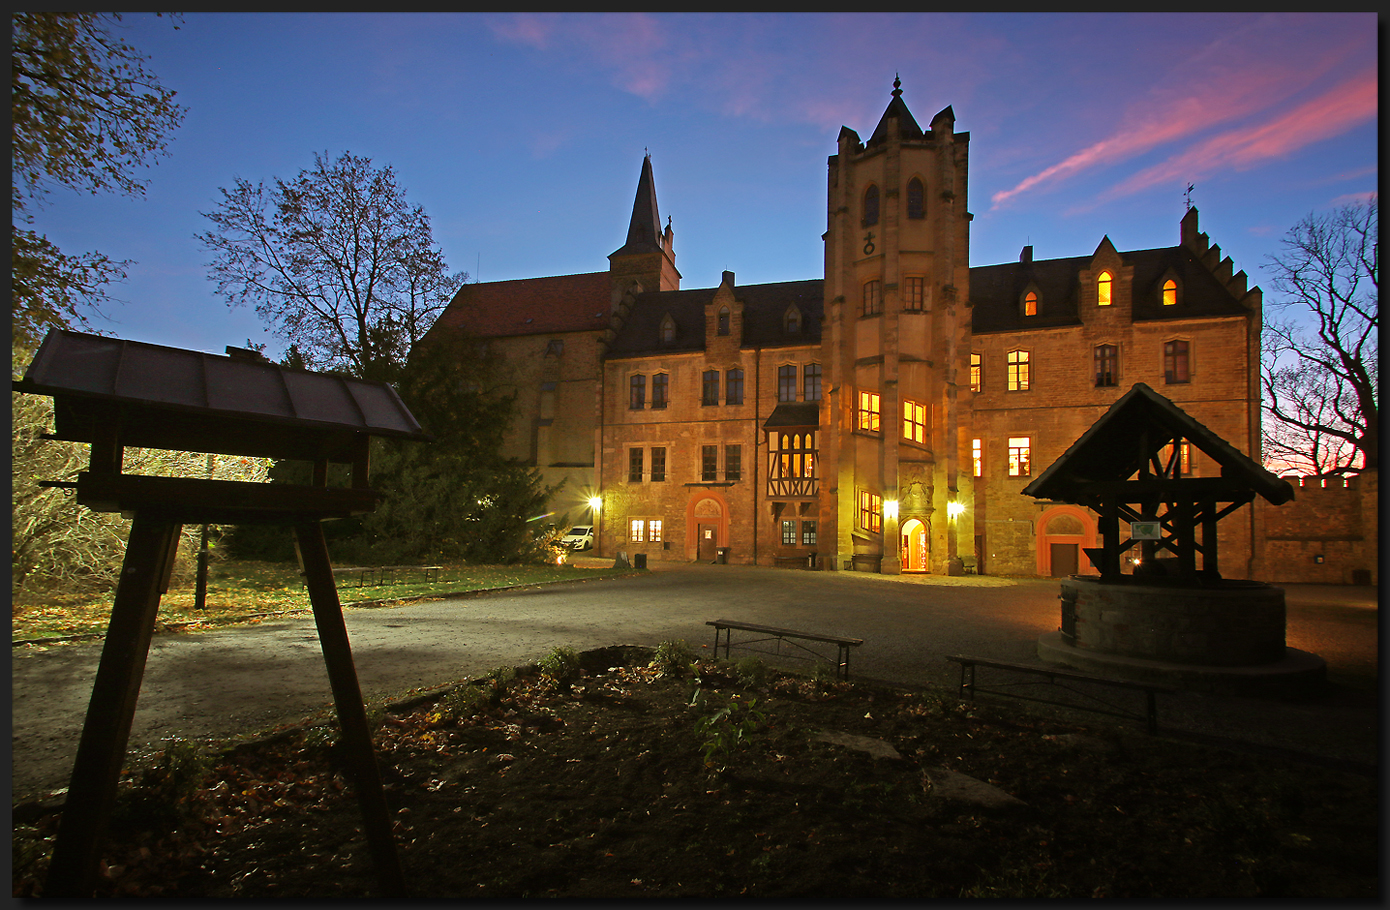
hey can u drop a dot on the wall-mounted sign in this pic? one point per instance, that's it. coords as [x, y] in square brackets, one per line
[1145, 530]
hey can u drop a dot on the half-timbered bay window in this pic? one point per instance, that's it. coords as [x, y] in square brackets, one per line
[867, 415]
[791, 469]
[871, 511]
[914, 422]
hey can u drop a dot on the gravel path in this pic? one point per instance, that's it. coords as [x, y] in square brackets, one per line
[233, 681]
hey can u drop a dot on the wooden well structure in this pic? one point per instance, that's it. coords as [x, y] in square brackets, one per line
[111, 394]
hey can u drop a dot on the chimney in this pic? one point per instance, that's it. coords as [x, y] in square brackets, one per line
[728, 278]
[1027, 254]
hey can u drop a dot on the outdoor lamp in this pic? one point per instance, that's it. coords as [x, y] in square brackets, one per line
[890, 509]
[953, 509]
[595, 502]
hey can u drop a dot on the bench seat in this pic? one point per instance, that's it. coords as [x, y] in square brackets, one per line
[843, 643]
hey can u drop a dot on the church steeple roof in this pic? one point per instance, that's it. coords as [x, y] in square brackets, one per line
[644, 230]
[907, 126]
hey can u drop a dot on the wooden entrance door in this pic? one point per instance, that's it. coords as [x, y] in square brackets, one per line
[707, 545]
[1064, 559]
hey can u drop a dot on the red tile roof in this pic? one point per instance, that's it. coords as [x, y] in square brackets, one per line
[531, 306]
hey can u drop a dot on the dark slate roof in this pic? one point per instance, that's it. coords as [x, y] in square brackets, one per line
[218, 390]
[794, 414]
[530, 306]
[907, 125]
[644, 229]
[995, 290]
[1106, 452]
[763, 308]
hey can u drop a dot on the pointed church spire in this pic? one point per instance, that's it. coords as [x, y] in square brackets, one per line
[644, 230]
[907, 126]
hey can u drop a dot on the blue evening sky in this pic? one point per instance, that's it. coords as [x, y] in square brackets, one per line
[522, 135]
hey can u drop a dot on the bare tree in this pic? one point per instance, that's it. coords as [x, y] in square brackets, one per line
[1322, 351]
[335, 260]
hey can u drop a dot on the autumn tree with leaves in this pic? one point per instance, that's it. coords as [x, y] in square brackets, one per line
[1320, 370]
[86, 115]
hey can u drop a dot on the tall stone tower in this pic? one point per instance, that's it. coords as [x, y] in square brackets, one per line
[897, 458]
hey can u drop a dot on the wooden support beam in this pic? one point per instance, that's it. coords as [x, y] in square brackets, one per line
[72, 872]
[347, 697]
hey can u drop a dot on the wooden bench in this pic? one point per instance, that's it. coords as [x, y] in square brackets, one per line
[790, 636]
[1053, 674]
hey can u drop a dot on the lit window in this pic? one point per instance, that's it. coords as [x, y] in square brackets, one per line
[1020, 454]
[1103, 289]
[808, 533]
[668, 330]
[638, 532]
[811, 382]
[733, 463]
[873, 298]
[914, 293]
[792, 322]
[914, 422]
[868, 411]
[1170, 292]
[709, 463]
[791, 464]
[1107, 357]
[1181, 466]
[871, 205]
[723, 320]
[733, 387]
[976, 372]
[1019, 374]
[870, 511]
[1175, 362]
[1030, 304]
[634, 466]
[710, 388]
[637, 395]
[788, 533]
[654, 531]
[916, 198]
[786, 383]
[658, 464]
[659, 386]
[977, 455]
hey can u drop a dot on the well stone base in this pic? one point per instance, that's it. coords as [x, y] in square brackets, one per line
[1221, 624]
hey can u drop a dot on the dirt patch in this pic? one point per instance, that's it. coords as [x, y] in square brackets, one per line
[621, 785]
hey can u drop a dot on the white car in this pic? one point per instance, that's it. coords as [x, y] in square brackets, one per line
[578, 538]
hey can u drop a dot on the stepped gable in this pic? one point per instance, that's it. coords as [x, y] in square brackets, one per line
[531, 306]
[763, 308]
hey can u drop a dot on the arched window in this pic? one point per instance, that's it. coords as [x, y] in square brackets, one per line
[1170, 292]
[916, 198]
[1030, 304]
[871, 205]
[1103, 289]
[668, 330]
[723, 320]
[791, 322]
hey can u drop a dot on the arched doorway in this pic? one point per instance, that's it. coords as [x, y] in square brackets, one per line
[915, 549]
[1064, 533]
[706, 526]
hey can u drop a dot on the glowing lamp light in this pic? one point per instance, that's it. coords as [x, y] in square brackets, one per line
[890, 509]
[595, 502]
[953, 509]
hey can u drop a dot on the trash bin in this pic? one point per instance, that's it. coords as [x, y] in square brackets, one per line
[639, 560]
[722, 556]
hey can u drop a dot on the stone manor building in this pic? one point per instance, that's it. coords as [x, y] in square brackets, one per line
[882, 417]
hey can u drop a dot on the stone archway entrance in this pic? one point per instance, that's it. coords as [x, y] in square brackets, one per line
[707, 527]
[916, 548]
[1064, 533]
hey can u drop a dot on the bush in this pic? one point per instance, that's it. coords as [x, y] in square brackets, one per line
[751, 672]
[561, 665]
[673, 658]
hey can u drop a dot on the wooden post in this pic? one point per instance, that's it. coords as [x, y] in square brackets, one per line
[72, 871]
[347, 697]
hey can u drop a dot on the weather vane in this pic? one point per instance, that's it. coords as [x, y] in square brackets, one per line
[1187, 195]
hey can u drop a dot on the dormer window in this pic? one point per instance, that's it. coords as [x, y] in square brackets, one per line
[871, 205]
[791, 321]
[668, 330]
[1103, 289]
[1170, 293]
[1030, 304]
[723, 320]
[916, 199]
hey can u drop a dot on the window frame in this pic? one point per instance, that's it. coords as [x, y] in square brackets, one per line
[636, 464]
[811, 388]
[869, 201]
[789, 531]
[1177, 351]
[1019, 375]
[871, 303]
[733, 462]
[791, 320]
[723, 321]
[868, 417]
[637, 392]
[870, 512]
[1105, 288]
[786, 382]
[1020, 456]
[1106, 360]
[915, 198]
[709, 388]
[915, 419]
[636, 530]
[977, 456]
[914, 293]
[658, 464]
[1030, 303]
[977, 371]
[661, 385]
[1169, 285]
[733, 379]
[668, 330]
[709, 464]
[809, 531]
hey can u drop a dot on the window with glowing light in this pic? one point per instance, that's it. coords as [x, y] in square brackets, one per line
[1020, 456]
[868, 412]
[976, 372]
[637, 530]
[1030, 304]
[914, 422]
[1019, 372]
[1170, 292]
[1103, 284]
[977, 455]
[871, 511]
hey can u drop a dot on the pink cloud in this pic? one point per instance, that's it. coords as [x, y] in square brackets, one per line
[1348, 105]
[524, 28]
